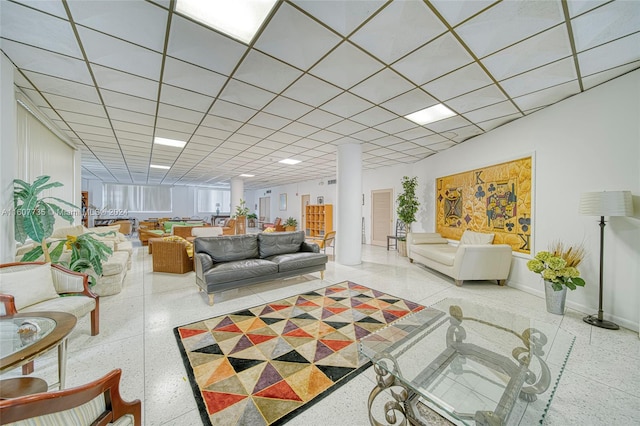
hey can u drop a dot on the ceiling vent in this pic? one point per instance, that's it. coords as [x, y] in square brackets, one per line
[332, 181]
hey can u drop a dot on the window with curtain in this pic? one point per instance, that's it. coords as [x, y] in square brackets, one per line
[213, 200]
[137, 198]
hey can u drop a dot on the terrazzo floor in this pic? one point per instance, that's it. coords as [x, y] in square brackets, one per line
[600, 385]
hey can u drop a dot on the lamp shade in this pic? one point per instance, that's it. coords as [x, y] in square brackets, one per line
[606, 203]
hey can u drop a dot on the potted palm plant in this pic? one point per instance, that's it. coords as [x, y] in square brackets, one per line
[241, 217]
[290, 224]
[407, 208]
[251, 219]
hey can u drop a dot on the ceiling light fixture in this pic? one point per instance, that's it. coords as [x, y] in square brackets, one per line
[169, 142]
[155, 166]
[429, 115]
[289, 161]
[246, 175]
[240, 19]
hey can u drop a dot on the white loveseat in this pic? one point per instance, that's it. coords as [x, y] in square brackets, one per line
[474, 258]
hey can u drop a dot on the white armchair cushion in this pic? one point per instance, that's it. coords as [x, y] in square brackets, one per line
[471, 237]
[68, 230]
[427, 238]
[208, 231]
[29, 286]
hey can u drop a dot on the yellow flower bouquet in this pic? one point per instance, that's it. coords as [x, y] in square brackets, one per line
[559, 266]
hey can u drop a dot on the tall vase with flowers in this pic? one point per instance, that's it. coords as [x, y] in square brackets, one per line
[559, 269]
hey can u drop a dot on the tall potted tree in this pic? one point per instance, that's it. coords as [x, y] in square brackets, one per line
[407, 208]
[241, 217]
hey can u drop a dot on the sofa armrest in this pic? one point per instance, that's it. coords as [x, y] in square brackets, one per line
[203, 262]
[66, 281]
[482, 262]
[309, 247]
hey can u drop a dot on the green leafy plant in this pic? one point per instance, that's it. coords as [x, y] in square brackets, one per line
[34, 214]
[559, 266]
[252, 216]
[291, 222]
[87, 254]
[408, 201]
[242, 209]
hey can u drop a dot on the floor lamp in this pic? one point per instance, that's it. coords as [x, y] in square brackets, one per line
[608, 203]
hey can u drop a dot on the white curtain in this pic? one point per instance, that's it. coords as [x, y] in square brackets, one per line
[137, 198]
[212, 200]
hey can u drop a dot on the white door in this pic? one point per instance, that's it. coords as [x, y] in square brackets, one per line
[265, 208]
[381, 216]
[304, 202]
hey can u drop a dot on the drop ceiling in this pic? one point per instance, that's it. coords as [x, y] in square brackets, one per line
[112, 75]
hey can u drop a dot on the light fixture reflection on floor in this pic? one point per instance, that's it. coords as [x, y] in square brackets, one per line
[607, 203]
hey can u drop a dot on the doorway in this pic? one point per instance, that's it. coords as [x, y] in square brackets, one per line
[381, 216]
[304, 202]
[265, 208]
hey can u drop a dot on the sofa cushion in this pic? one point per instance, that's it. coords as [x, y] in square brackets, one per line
[206, 231]
[29, 285]
[427, 238]
[228, 248]
[440, 253]
[116, 263]
[68, 230]
[293, 261]
[471, 237]
[275, 243]
[240, 270]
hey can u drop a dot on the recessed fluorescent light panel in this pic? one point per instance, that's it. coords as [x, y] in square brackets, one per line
[246, 175]
[155, 166]
[240, 19]
[169, 142]
[430, 115]
[289, 161]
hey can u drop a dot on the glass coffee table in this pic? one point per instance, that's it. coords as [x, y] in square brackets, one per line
[464, 363]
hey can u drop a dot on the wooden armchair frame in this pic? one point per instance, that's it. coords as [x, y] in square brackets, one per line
[42, 404]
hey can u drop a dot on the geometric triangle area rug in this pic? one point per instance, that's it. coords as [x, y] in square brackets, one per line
[263, 365]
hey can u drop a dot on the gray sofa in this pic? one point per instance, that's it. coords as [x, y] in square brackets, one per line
[232, 261]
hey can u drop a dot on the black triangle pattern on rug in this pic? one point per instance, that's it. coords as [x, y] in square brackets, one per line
[276, 359]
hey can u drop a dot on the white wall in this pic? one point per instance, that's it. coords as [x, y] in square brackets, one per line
[590, 142]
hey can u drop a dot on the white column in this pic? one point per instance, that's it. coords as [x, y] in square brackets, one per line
[349, 205]
[8, 159]
[237, 191]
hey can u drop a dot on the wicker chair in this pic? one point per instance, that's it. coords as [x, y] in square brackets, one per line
[229, 227]
[145, 234]
[184, 231]
[171, 256]
[125, 226]
[99, 402]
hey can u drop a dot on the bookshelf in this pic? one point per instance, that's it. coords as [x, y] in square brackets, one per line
[319, 219]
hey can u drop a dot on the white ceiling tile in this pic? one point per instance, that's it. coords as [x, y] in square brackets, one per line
[398, 29]
[185, 98]
[287, 108]
[373, 116]
[300, 129]
[397, 125]
[415, 133]
[187, 76]
[262, 71]
[346, 127]
[540, 78]
[180, 114]
[497, 122]
[409, 102]
[180, 126]
[58, 86]
[346, 105]
[346, 66]
[246, 94]
[610, 55]
[461, 81]
[492, 112]
[547, 96]
[221, 123]
[343, 17]
[509, 22]
[606, 23]
[170, 134]
[368, 135]
[136, 21]
[428, 141]
[442, 146]
[74, 105]
[270, 144]
[595, 79]
[28, 26]
[132, 103]
[257, 131]
[325, 136]
[269, 121]
[295, 38]
[457, 11]
[539, 50]
[131, 127]
[111, 52]
[442, 55]
[319, 118]
[232, 111]
[212, 50]
[448, 124]
[311, 90]
[119, 81]
[477, 99]
[51, 7]
[577, 7]
[131, 116]
[382, 86]
[41, 61]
